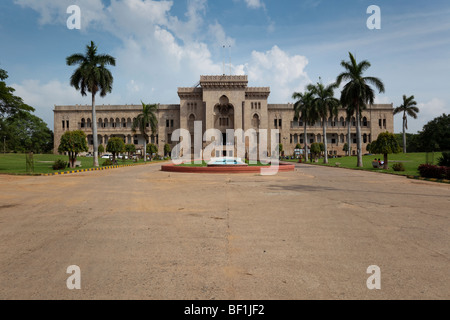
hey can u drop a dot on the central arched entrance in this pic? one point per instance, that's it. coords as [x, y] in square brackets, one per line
[224, 120]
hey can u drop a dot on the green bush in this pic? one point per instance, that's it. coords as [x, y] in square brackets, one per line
[444, 161]
[398, 167]
[59, 165]
[107, 163]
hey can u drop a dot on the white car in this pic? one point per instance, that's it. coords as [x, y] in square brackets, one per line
[106, 156]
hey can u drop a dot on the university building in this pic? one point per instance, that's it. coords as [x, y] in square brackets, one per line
[222, 102]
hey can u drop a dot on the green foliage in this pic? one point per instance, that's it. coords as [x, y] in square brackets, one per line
[317, 149]
[444, 160]
[298, 146]
[25, 132]
[280, 148]
[73, 142]
[385, 144]
[107, 163]
[9, 103]
[151, 149]
[398, 166]
[59, 165]
[101, 149]
[91, 75]
[167, 149]
[345, 148]
[368, 148]
[146, 118]
[435, 134]
[115, 146]
[413, 144]
[130, 148]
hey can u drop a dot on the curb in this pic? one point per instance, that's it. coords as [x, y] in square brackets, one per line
[92, 169]
[429, 179]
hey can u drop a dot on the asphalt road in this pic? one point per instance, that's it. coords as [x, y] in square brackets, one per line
[139, 233]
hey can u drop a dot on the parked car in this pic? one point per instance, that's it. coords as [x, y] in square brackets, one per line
[107, 156]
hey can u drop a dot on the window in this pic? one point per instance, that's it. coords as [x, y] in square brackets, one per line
[171, 123]
[365, 122]
[379, 123]
[279, 122]
[135, 140]
[333, 141]
[82, 123]
[275, 123]
[167, 123]
[384, 123]
[365, 138]
[67, 123]
[291, 139]
[169, 138]
[311, 140]
[63, 123]
[252, 105]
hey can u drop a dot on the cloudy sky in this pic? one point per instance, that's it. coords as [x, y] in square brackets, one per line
[284, 44]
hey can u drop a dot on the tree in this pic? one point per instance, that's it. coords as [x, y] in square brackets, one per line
[345, 148]
[409, 108]
[146, 119]
[115, 146]
[167, 149]
[24, 132]
[92, 76]
[152, 149]
[130, 148]
[9, 103]
[316, 149]
[326, 105]
[435, 135]
[280, 149]
[73, 142]
[306, 110]
[357, 92]
[101, 149]
[385, 144]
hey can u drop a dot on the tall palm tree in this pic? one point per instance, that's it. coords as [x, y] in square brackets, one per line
[146, 119]
[326, 105]
[306, 110]
[92, 76]
[357, 92]
[409, 109]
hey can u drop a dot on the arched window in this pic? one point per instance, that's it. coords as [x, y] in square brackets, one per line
[105, 123]
[365, 122]
[100, 123]
[129, 123]
[117, 123]
[342, 121]
[191, 121]
[255, 121]
[83, 123]
[112, 124]
[88, 123]
[124, 123]
[354, 121]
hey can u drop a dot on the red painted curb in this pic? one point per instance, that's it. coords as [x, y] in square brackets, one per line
[283, 167]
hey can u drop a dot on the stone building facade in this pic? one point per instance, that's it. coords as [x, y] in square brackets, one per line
[221, 102]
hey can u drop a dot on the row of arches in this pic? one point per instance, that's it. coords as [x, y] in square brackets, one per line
[341, 122]
[108, 123]
[331, 138]
[136, 139]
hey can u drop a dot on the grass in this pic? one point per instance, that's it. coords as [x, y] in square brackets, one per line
[15, 163]
[411, 161]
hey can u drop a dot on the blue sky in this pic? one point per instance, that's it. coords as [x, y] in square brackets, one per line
[284, 44]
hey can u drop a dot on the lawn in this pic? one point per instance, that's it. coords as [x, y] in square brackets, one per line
[13, 163]
[411, 161]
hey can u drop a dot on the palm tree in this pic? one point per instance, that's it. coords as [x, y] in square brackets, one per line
[92, 76]
[306, 110]
[408, 108]
[357, 92]
[146, 119]
[327, 105]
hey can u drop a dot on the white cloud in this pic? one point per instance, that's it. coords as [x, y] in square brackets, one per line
[277, 69]
[254, 4]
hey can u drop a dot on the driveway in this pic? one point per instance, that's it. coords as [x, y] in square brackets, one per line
[139, 233]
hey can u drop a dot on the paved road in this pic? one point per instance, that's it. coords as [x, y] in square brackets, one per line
[139, 233]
